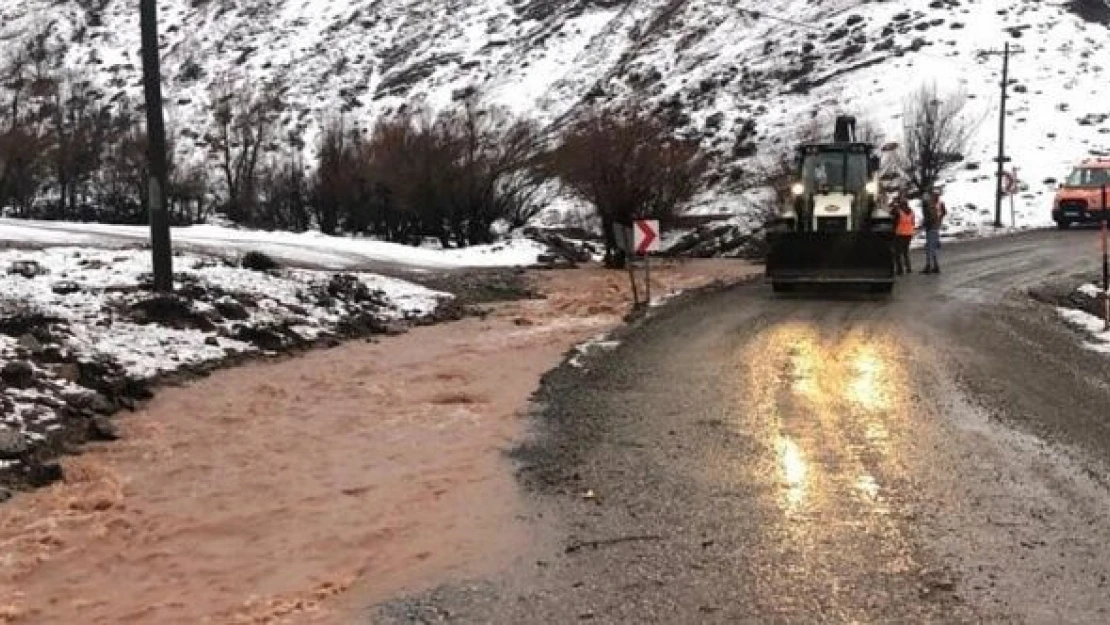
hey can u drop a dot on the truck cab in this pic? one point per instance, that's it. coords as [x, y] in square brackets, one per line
[1079, 199]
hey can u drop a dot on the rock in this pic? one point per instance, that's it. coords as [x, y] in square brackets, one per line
[5, 494]
[12, 443]
[30, 343]
[68, 371]
[263, 338]
[213, 341]
[257, 261]
[232, 309]
[18, 373]
[171, 310]
[45, 474]
[394, 329]
[26, 268]
[20, 320]
[53, 354]
[559, 245]
[102, 428]
[553, 261]
[66, 287]
[100, 404]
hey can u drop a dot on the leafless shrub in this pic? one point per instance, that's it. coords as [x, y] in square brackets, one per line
[937, 136]
[244, 123]
[449, 177]
[629, 166]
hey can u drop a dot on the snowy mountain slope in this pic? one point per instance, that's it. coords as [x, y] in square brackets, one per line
[743, 84]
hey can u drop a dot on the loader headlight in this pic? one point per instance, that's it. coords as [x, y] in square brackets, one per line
[798, 189]
[872, 187]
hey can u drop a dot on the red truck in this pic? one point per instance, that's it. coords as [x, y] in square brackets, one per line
[1080, 198]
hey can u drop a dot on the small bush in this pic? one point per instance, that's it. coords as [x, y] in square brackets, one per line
[258, 261]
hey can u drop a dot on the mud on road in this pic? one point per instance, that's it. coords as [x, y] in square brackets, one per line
[304, 490]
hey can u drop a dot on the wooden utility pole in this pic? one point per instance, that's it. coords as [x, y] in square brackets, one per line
[156, 149]
[1006, 53]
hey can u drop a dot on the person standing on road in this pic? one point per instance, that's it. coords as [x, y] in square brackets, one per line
[904, 226]
[934, 212]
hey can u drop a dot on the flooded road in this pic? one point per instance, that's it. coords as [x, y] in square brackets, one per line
[933, 458]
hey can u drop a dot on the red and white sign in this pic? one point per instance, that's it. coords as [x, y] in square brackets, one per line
[1009, 183]
[645, 234]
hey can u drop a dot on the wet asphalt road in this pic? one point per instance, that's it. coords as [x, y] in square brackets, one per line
[932, 457]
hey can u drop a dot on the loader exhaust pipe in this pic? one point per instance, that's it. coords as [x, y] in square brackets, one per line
[845, 129]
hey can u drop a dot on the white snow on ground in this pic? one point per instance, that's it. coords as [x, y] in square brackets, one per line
[111, 278]
[92, 297]
[306, 249]
[1094, 325]
[1091, 290]
[583, 350]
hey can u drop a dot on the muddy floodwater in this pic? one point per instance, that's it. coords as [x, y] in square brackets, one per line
[303, 490]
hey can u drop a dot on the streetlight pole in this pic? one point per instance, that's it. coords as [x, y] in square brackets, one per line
[156, 149]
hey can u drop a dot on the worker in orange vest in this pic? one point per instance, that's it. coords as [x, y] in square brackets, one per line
[904, 227]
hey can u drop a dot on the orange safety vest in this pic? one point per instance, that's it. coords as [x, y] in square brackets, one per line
[904, 224]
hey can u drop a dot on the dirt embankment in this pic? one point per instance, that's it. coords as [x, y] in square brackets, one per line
[302, 490]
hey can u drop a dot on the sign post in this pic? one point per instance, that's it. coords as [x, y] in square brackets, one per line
[1013, 192]
[1105, 265]
[625, 241]
[646, 241]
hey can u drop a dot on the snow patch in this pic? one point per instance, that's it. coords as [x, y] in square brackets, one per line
[584, 350]
[1095, 326]
[305, 249]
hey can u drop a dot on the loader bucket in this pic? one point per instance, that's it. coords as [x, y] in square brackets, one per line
[830, 258]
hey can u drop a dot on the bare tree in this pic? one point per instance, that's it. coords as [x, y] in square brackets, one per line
[245, 120]
[333, 187]
[450, 177]
[22, 137]
[79, 129]
[491, 163]
[284, 193]
[628, 166]
[937, 136]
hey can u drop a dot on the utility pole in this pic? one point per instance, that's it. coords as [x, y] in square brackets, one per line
[156, 149]
[1005, 54]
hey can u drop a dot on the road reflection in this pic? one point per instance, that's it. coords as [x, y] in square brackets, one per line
[866, 385]
[831, 404]
[793, 466]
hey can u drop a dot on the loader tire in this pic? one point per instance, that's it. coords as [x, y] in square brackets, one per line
[782, 287]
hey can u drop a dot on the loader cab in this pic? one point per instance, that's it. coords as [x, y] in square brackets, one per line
[836, 188]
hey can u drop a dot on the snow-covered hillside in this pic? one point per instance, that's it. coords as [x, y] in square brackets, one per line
[741, 81]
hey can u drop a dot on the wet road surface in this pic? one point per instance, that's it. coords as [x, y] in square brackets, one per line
[744, 458]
